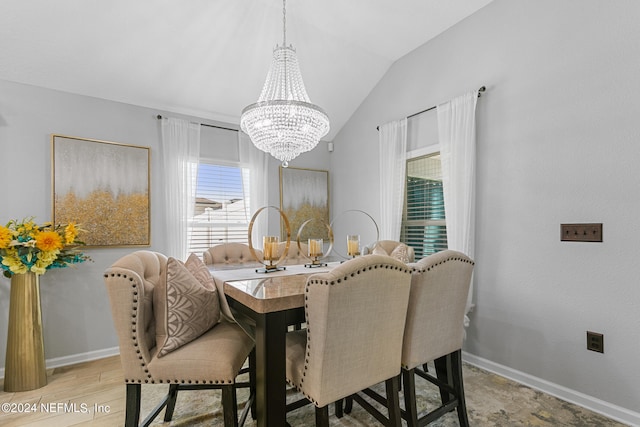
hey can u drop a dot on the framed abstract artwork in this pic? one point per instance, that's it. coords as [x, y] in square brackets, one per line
[104, 187]
[304, 195]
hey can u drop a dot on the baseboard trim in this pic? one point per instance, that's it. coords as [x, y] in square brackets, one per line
[591, 403]
[57, 362]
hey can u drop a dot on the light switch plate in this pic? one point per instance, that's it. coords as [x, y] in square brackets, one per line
[595, 342]
[581, 232]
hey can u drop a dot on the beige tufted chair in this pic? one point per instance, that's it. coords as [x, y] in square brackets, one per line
[388, 246]
[214, 359]
[328, 361]
[227, 254]
[434, 331]
[294, 255]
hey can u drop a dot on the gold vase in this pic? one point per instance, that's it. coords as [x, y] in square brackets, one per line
[24, 365]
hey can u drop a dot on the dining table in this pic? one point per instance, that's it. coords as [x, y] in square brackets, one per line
[271, 302]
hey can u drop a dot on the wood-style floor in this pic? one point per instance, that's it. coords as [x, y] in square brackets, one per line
[86, 394]
[93, 394]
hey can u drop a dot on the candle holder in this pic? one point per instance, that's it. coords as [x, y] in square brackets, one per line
[355, 249]
[315, 246]
[270, 245]
[315, 252]
[353, 245]
[270, 250]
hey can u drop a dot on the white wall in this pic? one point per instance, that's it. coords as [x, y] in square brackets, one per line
[76, 316]
[558, 142]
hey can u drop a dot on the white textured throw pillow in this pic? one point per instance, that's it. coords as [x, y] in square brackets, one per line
[401, 253]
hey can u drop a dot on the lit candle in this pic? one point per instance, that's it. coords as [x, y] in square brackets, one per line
[270, 247]
[353, 245]
[315, 248]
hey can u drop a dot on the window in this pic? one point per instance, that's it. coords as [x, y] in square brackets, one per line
[222, 207]
[423, 219]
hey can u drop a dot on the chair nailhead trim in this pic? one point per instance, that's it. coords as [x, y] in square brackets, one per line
[345, 278]
[134, 328]
[451, 258]
[406, 270]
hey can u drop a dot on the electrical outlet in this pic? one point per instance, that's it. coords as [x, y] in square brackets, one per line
[595, 342]
[581, 232]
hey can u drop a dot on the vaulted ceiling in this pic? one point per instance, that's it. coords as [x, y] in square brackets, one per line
[209, 58]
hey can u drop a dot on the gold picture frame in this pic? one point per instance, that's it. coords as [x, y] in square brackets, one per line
[304, 195]
[104, 187]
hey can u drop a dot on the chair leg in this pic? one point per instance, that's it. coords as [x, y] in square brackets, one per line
[348, 404]
[230, 406]
[411, 410]
[458, 385]
[171, 402]
[132, 412]
[322, 416]
[339, 410]
[393, 401]
[442, 365]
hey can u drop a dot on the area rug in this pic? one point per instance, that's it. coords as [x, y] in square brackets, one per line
[492, 401]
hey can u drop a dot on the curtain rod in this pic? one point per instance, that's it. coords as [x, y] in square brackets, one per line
[482, 89]
[159, 117]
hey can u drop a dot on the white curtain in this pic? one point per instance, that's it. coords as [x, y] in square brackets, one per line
[457, 135]
[180, 156]
[258, 188]
[393, 159]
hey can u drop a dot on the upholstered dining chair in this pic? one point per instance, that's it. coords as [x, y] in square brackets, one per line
[294, 254]
[355, 317]
[167, 317]
[393, 248]
[434, 331]
[231, 254]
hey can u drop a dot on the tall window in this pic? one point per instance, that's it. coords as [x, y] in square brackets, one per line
[423, 219]
[222, 206]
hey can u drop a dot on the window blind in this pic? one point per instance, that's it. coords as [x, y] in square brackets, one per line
[423, 224]
[222, 207]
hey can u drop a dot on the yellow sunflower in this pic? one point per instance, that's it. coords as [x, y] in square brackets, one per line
[5, 237]
[48, 241]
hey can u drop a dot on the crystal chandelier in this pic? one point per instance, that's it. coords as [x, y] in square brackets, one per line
[284, 122]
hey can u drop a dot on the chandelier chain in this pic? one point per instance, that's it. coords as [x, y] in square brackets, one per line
[287, 92]
[284, 23]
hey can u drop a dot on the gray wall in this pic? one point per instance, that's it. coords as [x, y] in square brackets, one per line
[76, 316]
[558, 142]
[75, 309]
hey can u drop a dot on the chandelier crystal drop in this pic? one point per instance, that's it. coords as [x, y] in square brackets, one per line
[284, 122]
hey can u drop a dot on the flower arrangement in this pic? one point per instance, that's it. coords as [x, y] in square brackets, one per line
[26, 246]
